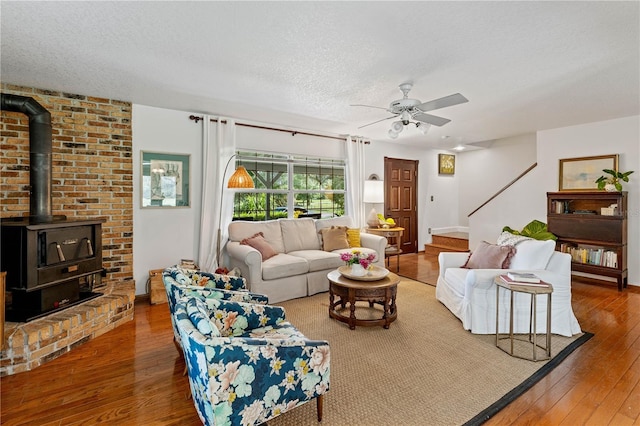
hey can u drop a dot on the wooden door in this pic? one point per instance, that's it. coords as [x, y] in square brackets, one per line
[401, 187]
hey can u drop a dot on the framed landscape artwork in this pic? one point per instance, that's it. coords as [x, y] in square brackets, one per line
[446, 164]
[580, 174]
[165, 180]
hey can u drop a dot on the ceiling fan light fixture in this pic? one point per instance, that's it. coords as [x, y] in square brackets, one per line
[397, 126]
[392, 134]
[423, 127]
[408, 111]
[406, 117]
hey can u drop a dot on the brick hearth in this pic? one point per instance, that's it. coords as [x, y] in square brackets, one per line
[29, 345]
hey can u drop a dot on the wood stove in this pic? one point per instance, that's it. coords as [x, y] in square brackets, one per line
[50, 266]
[51, 262]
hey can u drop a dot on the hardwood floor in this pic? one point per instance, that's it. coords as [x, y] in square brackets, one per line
[133, 374]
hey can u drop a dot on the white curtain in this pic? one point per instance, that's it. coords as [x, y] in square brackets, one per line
[218, 146]
[355, 180]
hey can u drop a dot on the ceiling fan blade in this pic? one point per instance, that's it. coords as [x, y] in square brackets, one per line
[368, 106]
[431, 119]
[384, 119]
[447, 101]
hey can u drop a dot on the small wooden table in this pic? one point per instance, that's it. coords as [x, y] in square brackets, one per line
[534, 291]
[394, 238]
[382, 292]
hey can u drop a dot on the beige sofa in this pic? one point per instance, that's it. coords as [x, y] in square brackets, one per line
[301, 265]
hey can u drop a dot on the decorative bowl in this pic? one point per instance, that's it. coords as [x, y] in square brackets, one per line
[374, 273]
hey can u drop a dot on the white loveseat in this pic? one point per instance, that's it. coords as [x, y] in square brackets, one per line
[301, 265]
[470, 294]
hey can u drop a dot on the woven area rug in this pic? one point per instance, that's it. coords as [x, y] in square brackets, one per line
[425, 369]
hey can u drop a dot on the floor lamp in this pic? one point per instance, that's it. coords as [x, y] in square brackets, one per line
[240, 179]
[373, 193]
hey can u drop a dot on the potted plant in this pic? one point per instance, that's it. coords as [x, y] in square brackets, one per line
[612, 182]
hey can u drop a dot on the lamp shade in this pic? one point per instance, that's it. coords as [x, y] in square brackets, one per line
[240, 179]
[373, 191]
[423, 127]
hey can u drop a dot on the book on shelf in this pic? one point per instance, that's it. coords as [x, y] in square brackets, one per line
[508, 280]
[591, 255]
[523, 277]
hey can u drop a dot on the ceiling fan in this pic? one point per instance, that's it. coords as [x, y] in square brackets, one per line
[408, 109]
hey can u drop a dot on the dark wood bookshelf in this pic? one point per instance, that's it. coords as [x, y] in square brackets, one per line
[591, 231]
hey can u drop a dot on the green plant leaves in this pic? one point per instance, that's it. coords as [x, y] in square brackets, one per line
[534, 229]
[614, 179]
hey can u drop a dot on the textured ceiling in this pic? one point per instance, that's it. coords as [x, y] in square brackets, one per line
[524, 66]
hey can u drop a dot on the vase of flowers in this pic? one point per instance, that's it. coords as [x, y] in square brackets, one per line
[358, 261]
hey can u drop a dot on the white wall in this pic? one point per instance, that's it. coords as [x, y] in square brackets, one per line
[504, 160]
[284, 142]
[163, 236]
[526, 200]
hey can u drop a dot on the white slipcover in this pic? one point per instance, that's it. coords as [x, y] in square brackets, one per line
[470, 294]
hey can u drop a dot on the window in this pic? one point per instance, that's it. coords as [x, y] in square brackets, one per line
[290, 186]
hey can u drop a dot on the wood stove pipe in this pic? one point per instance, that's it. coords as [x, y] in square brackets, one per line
[40, 177]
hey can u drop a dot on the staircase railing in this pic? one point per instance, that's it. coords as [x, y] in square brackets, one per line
[504, 188]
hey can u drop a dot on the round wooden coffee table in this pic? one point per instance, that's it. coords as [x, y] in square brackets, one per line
[381, 292]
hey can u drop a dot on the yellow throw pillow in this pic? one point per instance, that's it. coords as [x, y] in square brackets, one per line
[353, 236]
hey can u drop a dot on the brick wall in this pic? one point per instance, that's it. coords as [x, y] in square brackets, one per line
[92, 168]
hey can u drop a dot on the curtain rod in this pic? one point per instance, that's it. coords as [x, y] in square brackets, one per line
[293, 132]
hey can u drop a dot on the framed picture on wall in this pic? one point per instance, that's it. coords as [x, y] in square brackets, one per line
[165, 179]
[580, 174]
[446, 164]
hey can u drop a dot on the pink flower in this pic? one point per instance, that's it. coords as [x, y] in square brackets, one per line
[357, 256]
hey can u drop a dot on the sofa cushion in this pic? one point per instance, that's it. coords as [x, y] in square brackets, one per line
[258, 242]
[490, 256]
[283, 265]
[532, 254]
[334, 221]
[284, 330]
[353, 236]
[319, 260]
[299, 234]
[241, 229]
[334, 238]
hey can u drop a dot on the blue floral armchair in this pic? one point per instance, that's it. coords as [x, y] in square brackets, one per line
[205, 279]
[179, 283]
[246, 363]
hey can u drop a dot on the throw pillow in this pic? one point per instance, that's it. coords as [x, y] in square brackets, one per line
[509, 239]
[533, 254]
[490, 256]
[199, 316]
[353, 236]
[334, 238]
[258, 242]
